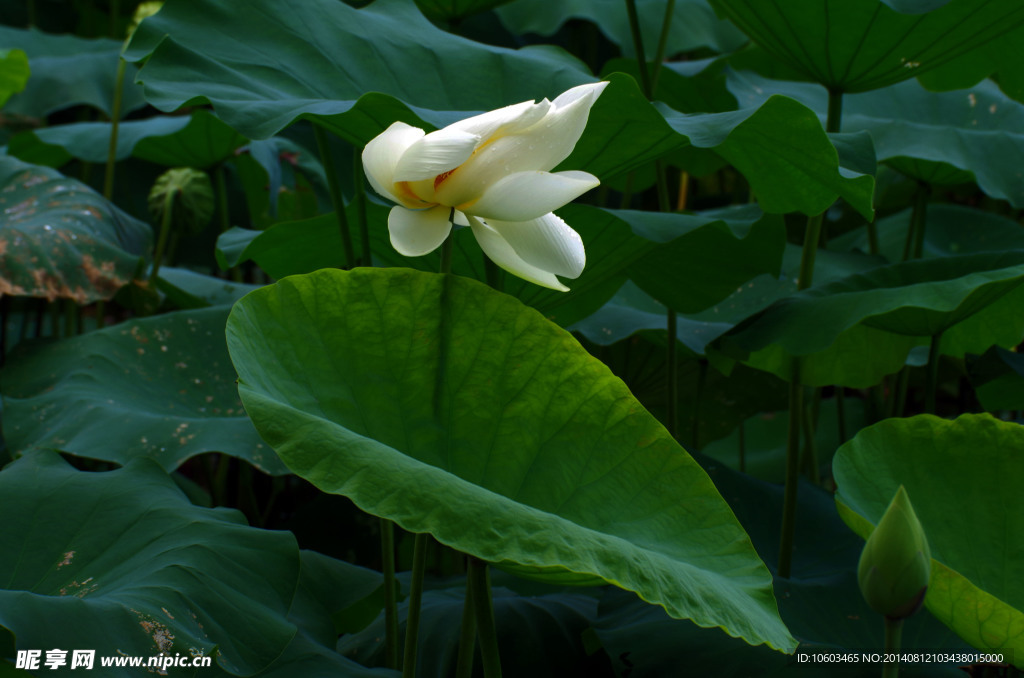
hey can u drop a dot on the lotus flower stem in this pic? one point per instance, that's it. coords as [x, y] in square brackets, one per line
[638, 47]
[387, 549]
[419, 557]
[115, 117]
[647, 82]
[467, 640]
[359, 198]
[796, 406]
[412, 621]
[659, 56]
[893, 642]
[796, 396]
[337, 200]
[480, 582]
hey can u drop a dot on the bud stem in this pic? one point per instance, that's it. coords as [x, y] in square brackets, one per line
[893, 642]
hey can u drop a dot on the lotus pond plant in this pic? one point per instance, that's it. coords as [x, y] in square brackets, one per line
[520, 338]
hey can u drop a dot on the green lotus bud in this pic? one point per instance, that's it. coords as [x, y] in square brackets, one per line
[187, 194]
[896, 562]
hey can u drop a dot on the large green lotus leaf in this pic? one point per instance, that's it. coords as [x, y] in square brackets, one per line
[453, 409]
[977, 131]
[701, 265]
[860, 45]
[161, 387]
[955, 230]
[693, 23]
[844, 322]
[939, 137]
[969, 467]
[14, 72]
[60, 238]
[551, 624]
[325, 587]
[121, 562]
[325, 55]
[1000, 59]
[56, 146]
[199, 140]
[328, 587]
[783, 151]
[67, 71]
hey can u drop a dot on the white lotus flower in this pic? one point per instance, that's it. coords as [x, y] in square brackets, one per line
[491, 172]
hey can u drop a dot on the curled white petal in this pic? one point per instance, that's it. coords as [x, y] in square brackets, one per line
[504, 120]
[547, 243]
[418, 232]
[557, 133]
[540, 146]
[590, 91]
[504, 255]
[381, 157]
[435, 154]
[529, 195]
